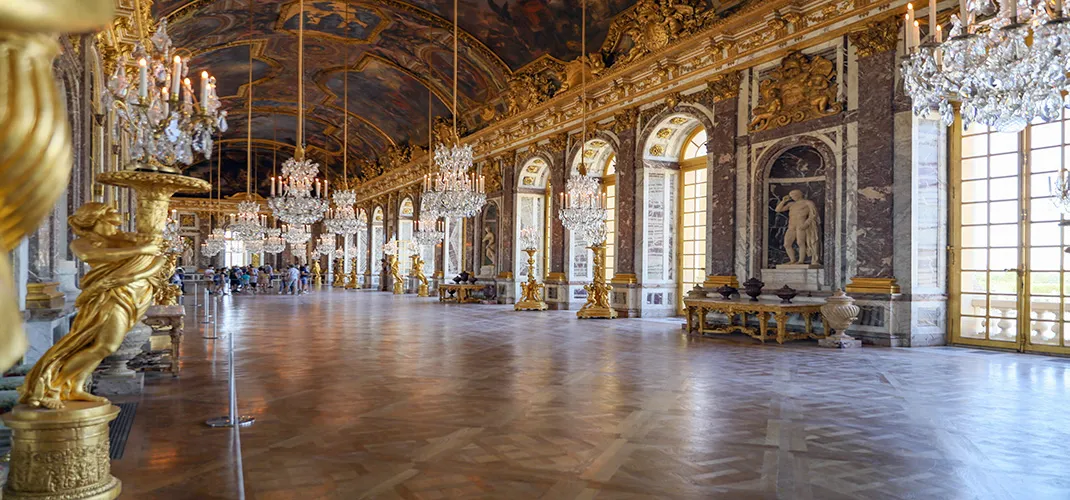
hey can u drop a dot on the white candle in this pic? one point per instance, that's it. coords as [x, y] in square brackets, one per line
[317, 189]
[932, 18]
[176, 76]
[204, 90]
[325, 190]
[166, 101]
[939, 34]
[143, 78]
[917, 33]
[910, 15]
[272, 187]
[906, 32]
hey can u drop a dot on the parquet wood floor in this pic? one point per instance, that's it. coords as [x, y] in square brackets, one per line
[362, 394]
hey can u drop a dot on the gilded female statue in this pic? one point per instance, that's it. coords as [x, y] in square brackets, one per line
[115, 294]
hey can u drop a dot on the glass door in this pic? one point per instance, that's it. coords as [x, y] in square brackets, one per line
[1009, 278]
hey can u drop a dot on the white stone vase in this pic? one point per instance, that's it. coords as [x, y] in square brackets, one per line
[839, 313]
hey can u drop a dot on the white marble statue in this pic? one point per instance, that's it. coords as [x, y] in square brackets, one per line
[803, 228]
[489, 254]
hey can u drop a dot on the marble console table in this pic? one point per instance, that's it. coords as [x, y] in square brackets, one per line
[170, 320]
[463, 292]
[764, 309]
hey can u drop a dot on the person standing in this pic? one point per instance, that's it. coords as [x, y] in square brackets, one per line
[292, 277]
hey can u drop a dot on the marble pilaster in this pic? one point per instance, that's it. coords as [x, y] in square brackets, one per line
[876, 129]
[721, 190]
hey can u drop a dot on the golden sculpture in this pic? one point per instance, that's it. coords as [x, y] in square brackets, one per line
[35, 135]
[654, 24]
[352, 284]
[799, 90]
[597, 305]
[531, 291]
[418, 272]
[115, 294]
[167, 293]
[317, 273]
[339, 273]
[580, 67]
[395, 275]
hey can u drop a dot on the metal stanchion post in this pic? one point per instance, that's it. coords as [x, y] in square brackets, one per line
[228, 420]
[207, 296]
[214, 322]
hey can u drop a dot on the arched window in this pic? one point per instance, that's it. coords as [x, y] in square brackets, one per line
[235, 251]
[693, 212]
[609, 189]
[406, 211]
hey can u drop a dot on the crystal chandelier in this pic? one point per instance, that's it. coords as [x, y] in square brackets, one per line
[273, 242]
[254, 246]
[339, 253]
[342, 220]
[428, 230]
[1006, 72]
[296, 234]
[172, 237]
[299, 250]
[529, 239]
[451, 191]
[248, 226]
[325, 246]
[166, 121]
[583, 207]
[391, 248]
[216, 242]
[301, 200]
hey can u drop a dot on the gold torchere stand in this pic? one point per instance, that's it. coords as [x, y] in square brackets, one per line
[339, 273]
[352, 284]
[317, 273]
[418, 272]
[395, 275]
[597, 306]
[531, 291]
[35, 136]
[60, 438]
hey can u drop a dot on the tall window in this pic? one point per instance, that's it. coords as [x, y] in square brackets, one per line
[609, 188]
[1010, 279]
[693, 213]
[235, 252]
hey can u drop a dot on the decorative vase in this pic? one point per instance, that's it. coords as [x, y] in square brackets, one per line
[786, 293]
[696, 293]
[727, 291]
[839, 313]
[753, 288]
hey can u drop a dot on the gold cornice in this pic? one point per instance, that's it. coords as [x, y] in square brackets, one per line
[876, 37]
[732, 44]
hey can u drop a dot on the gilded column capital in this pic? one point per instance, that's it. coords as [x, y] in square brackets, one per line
[876, 37]
[625, 119]
[558, 142]
[724, 86]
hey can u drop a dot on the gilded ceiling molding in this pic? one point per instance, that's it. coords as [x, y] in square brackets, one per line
[725, 86]
[876, 37]
[802, 88]
[626, 119]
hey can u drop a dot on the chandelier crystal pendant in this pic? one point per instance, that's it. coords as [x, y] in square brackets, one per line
[254, 246]
[428, 230]
[583, 207]
[166, 119]
[1006, 72]
[391, 247]
[172, 236]
[273, 242]
[342, 220]
[216, 242]
[452, 192]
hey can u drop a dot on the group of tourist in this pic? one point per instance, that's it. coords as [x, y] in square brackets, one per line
[294, 279]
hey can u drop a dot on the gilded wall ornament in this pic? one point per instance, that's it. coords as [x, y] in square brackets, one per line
[876, 38]
[625, 120]
[653, 24]
[802, 88]
[724, 86]
[665, 133]
[657, 150]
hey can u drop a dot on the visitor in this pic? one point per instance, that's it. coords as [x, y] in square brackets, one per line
[267, 271]
[235, 280]
[304, 278]
[217, 281]
[181, 279]
[292, 277]
[209, 279]
[246, 280]
[254, 277]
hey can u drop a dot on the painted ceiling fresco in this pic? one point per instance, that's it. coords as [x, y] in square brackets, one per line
[397, 51]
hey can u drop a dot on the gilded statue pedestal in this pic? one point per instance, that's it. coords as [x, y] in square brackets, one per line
[61, 454]
[395, 275]
[597, 306]
[531, 291]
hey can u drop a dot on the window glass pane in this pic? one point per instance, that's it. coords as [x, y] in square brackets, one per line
[1003, 189]
[975, 168]
[1048, 134]
[1003, 143]
[975, 213]
[1003, 165]
[974, 191]
[974, 146]
[1003, 212]
[1045, 160]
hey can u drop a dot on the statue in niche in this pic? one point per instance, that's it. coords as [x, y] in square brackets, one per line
[489, 255]
[803, 222]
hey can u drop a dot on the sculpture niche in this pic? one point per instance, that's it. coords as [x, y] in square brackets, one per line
[796, 187]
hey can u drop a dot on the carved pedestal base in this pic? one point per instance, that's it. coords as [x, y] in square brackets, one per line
[597, 313]
[422, 291]
[44, 296]
[839, 341]
[61, 454]
[399, 287]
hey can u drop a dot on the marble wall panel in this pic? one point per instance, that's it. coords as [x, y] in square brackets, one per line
[875, 167]
[626, 202]
[721, 189]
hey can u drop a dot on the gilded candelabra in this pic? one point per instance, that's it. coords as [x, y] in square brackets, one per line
[418, 273]
[395, 274]
[531, 291]
[352, 284]
[339, 273]
[35, 136]
[597, 305]
[317, 273]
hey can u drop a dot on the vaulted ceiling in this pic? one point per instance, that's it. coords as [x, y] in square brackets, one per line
[399, 52]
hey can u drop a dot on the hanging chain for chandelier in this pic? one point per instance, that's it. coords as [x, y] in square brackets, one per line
[166, 121]
[249, 226]
[583, 206]
[452, 191]
[301, 195]
[342, 219]
[273, 241]
[1007, 71]
[217, 240]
